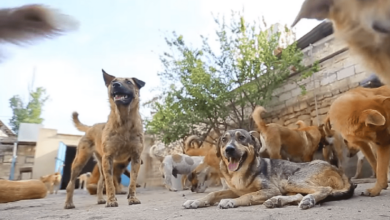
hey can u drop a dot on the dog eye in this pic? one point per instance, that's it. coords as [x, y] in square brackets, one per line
[223, 139]
[241, 138]
[128, 81]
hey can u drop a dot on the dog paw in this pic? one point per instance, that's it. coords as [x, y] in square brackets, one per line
[112, 204]
[134, 201]
[307, 202]
[191, 204]
[273, 202]
[173, 189]
[371, 192]
[186, 188]
[226, 204]
[101, 201]
[137, 185]
[69, 205]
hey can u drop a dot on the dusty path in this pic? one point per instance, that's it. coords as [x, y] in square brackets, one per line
[161, 204]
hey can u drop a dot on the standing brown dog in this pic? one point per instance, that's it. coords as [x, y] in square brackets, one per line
[122, 140]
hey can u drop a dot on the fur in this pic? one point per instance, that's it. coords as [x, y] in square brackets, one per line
[254, 180]
[12, 191]
[121, 140]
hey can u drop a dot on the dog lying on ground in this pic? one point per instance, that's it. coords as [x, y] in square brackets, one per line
[363, 25]
[284, 143]
[83, 178]
[53, 181]
[121, 140]
[362, 118]
[254, 180]
[11, 191]
[178, 164]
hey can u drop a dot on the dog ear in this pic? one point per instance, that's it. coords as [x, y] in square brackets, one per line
[372, 117]
[189, 176]
[314, 9]
[256, 141]
[107, 78]
[138, 82]
[219, 147]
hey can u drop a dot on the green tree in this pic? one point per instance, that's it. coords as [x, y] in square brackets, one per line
[31, 113]
[218, 88]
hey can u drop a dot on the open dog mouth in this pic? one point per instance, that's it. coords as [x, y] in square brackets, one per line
[120, 97]
[235, 164]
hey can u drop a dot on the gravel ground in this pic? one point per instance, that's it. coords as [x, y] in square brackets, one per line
[158, 203]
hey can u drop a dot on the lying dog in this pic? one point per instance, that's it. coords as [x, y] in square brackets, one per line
[363, 25]
[362, 119]
[121, 140]
[83, 178]
[11, 191]
[253, 180]
[284, 143]
[178, 164]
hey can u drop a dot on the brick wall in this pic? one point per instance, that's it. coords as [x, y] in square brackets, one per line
[25, 158]
[339, 72]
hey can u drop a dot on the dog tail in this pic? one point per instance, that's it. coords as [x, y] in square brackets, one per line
[327, 127]
[345, 193]
[188, 143]
[80, 126]
[153, 154]
[300, 124]
[256, 115]
[31, 22]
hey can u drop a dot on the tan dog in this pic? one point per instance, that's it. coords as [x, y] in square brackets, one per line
[11, 191]
[363, 25]
[83, 180]
[281, 142]
[119, 168]
[363, 120]
[254, 180]
[122, 140]
[53, 180]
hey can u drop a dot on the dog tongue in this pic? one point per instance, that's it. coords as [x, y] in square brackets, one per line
[233, 166]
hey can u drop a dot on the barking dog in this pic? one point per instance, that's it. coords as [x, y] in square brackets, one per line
[178, 164]
[363, 25]
[122, 140]
[298, 145]
[11, 191]
[253, 180]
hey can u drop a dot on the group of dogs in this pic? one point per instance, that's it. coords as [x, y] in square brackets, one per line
[258, 167]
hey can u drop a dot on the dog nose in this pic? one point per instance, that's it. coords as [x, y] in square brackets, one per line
[116, 84]
[229, 149]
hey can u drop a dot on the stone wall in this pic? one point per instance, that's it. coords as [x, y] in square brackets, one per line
[339, 72]
[25, 158]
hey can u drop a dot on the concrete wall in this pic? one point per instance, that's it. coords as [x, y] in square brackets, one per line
[47, 148]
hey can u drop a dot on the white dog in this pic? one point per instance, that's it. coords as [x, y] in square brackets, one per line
[178, 164]
[84, 179]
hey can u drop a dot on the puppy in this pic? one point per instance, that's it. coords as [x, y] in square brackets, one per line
[11, 191]
[53, 181]
[363, 25]
[178, 164]
[254, 180]
[120, 140]
[281, 142]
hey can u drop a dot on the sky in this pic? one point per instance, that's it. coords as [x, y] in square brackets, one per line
[123, 37]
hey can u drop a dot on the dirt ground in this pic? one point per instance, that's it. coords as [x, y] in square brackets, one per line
[158, 203]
